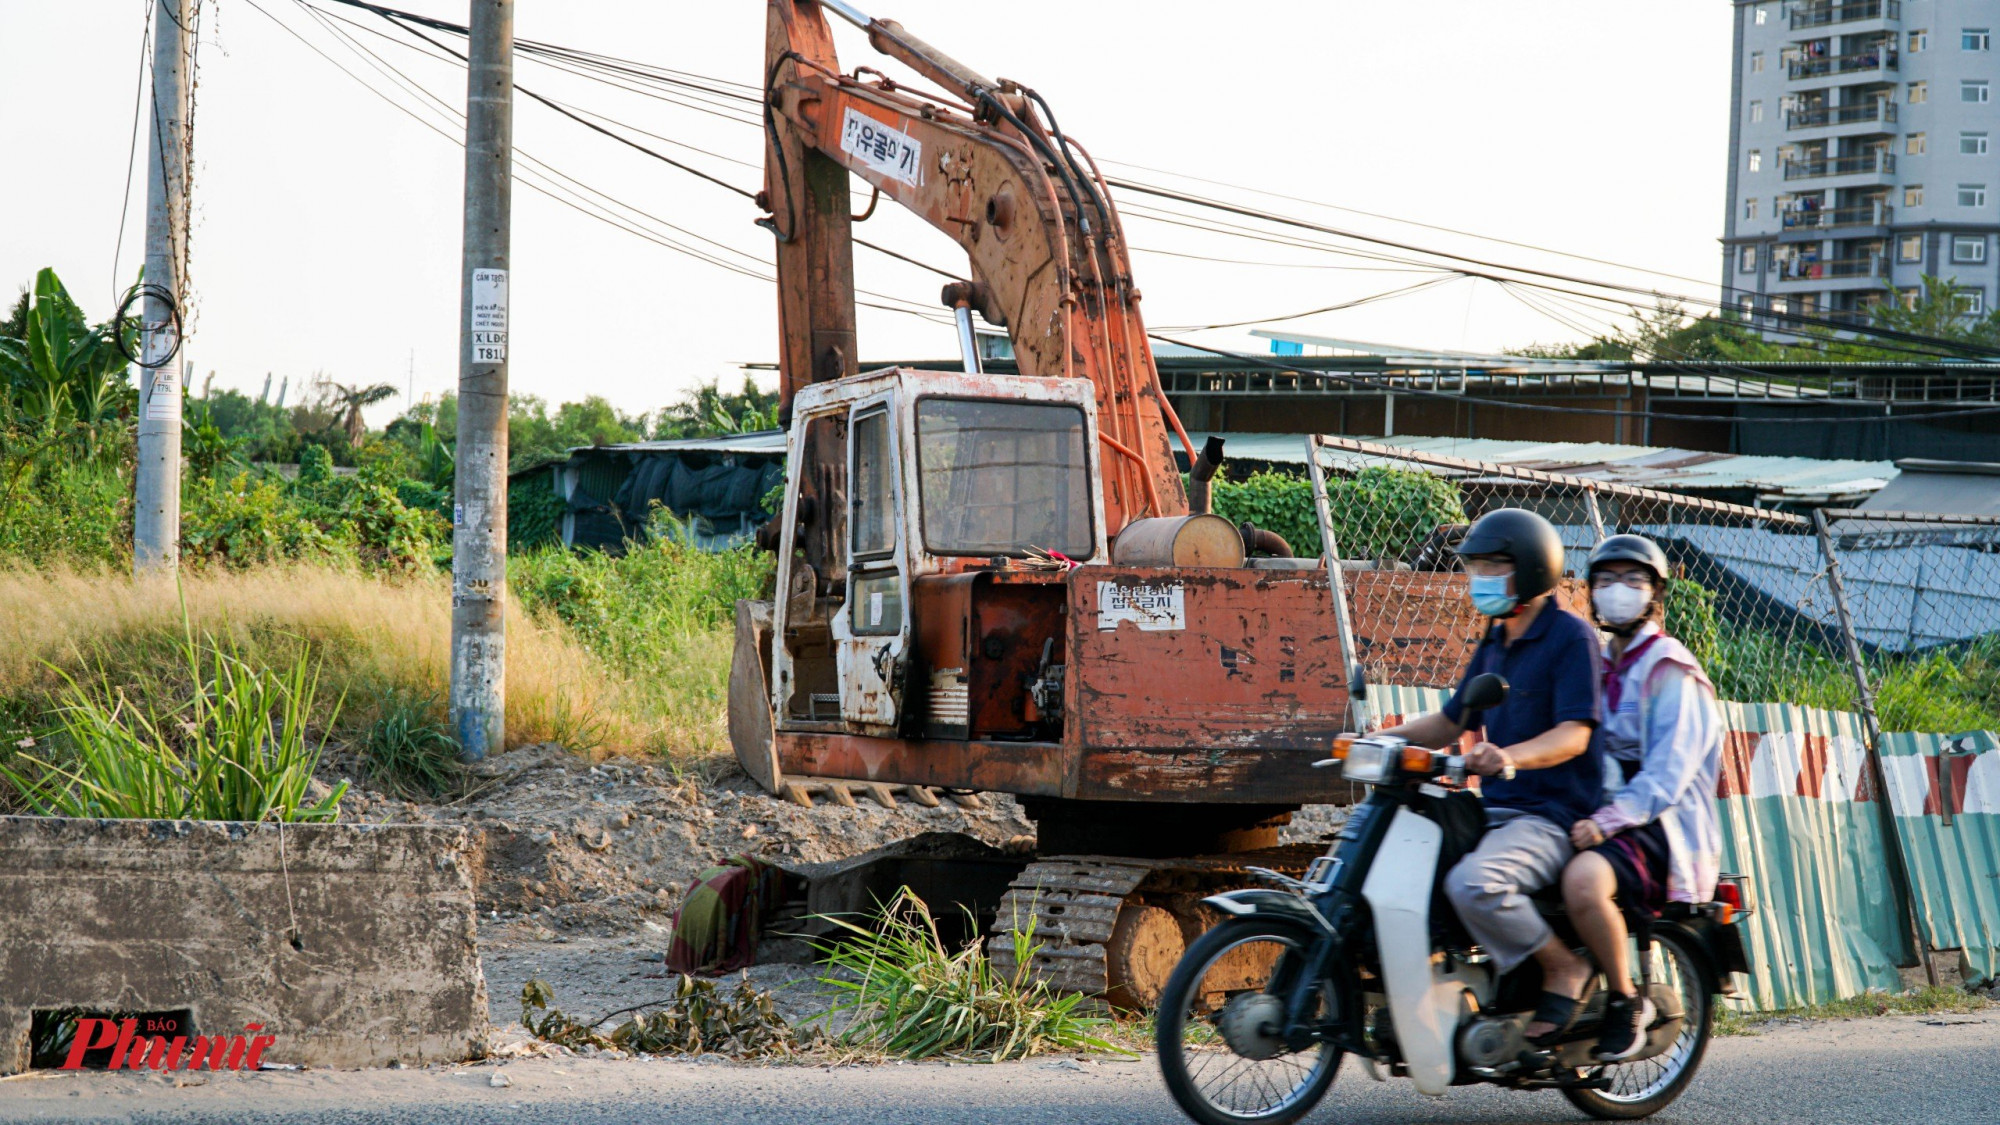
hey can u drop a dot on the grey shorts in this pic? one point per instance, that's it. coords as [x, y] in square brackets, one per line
[1520, 854]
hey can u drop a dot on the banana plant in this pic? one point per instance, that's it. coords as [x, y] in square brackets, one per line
[64, 370]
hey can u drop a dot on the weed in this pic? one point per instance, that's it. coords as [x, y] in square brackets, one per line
[409, 748]
[1931, 999]
[696, 1020]
[910, 996]
[235, 749]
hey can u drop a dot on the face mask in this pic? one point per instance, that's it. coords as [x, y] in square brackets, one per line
[1490, 596]
[1619, 604]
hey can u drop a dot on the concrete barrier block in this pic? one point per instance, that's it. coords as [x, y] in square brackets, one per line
[352, 944]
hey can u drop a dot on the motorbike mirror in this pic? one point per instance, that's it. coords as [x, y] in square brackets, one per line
[1486, 691]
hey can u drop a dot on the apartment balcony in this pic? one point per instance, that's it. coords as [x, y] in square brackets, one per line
[1839, 218]
[1864, 163]
[1872, 61]
[1807, 16]
[1875, 109]
[1874, 265]
[1831, 269]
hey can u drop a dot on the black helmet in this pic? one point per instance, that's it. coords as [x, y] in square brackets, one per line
[1525, 537]
[1633, 549]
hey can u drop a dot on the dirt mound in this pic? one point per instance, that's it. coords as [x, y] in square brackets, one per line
[600, 847]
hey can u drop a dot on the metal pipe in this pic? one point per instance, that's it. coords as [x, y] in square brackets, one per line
[1871, 727]
[968, 344]
[1336, 582]
[847, 12]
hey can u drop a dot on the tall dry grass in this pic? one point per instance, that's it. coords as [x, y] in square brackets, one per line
[374, 638]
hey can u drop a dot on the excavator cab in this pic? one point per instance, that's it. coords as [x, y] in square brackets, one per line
[898, 480]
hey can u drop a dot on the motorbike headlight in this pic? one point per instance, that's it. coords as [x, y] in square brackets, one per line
[1372, 761]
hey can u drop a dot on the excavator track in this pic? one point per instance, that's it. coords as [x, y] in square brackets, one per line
[1115, 926]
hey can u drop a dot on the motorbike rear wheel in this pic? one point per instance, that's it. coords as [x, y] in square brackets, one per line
[1219, 1028]
[1647, 1086]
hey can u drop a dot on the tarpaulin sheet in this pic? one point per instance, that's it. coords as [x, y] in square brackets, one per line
[1954, 868]
[1797, 818]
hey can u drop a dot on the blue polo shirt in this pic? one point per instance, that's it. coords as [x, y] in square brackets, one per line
[1553, 676]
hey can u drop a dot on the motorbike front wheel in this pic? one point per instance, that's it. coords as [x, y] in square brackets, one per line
[1219, 1028]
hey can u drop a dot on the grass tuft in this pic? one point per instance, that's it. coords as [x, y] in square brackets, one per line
[907, 995]
[236, 748]
[1929, 1000]
[409, 749]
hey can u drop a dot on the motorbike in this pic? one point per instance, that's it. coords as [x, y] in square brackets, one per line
[1364, 956]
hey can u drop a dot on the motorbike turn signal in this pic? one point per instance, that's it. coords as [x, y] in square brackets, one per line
[1340, 747]
[1416, 759]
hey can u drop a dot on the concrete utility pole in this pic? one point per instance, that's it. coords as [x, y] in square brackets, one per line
[479, 509]
[156, 483]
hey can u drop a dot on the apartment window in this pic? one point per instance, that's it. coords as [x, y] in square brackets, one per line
[1913, 145]
[1747, 306]
[1756, 160]
[1756, 112]
[1968, 248]
[1920, 92]
[1760, 15]
[1781, 305]
[1975, 39]
[1972, 195]
[1909, 298]
[1972, 302]
[1972, 144]
[1746, 259]
[1756, 62]
[1919, 40]
[1976, 90]
[1910, 248]
[1913, 195]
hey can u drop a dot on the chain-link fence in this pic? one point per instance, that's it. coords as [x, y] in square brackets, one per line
[1752, 594]
[1820, 631]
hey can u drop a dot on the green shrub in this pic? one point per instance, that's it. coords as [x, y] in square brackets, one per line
[910, 996]
[534, 512]
[409, 749]
[236, 749]
[1378, 513]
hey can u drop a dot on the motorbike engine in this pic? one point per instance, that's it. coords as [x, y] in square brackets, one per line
[1253, 1024]
[1491, 1041]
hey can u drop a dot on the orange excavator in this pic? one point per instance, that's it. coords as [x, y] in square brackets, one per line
[998, 581]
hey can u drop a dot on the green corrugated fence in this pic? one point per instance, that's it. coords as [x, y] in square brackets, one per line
[1954, 867]
[1798, 819]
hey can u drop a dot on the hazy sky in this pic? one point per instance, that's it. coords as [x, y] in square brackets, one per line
[327, 222]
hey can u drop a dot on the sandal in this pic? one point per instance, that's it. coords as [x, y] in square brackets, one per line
[1557, 1009]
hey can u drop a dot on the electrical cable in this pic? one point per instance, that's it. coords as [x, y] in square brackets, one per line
[1356, 302]
[132, 145]
[139, 292]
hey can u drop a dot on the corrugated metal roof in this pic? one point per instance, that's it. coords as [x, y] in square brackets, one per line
[757, 441]
[1648, 466]
[1970, 489]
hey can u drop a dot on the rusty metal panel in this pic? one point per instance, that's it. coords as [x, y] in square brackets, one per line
[1203, 683]
[1022, 768]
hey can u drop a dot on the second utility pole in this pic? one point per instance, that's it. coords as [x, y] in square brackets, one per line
[479, 499]
[156, 479]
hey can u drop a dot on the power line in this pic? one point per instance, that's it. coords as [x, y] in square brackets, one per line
[132, 147]
[1358, 301]
[1412, 222]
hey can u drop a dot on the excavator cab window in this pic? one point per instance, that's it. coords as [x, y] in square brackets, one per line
[997, 478]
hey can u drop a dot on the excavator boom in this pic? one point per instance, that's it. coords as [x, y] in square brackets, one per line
[985, 164]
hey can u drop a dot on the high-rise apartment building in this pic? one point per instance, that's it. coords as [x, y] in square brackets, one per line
[1864, 149]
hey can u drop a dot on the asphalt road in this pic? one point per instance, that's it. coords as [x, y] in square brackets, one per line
[1894, 1069]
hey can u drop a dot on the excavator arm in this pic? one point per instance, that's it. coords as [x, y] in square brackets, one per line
[986, 164]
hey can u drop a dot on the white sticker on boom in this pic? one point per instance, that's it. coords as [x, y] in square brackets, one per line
[489, 316]
[1155, 609]
[887, 150]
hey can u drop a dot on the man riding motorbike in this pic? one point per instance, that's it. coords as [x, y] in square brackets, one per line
[1656, 840]
[1540, 753]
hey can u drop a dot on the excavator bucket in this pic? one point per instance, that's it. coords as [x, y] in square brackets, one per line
[750, 727]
